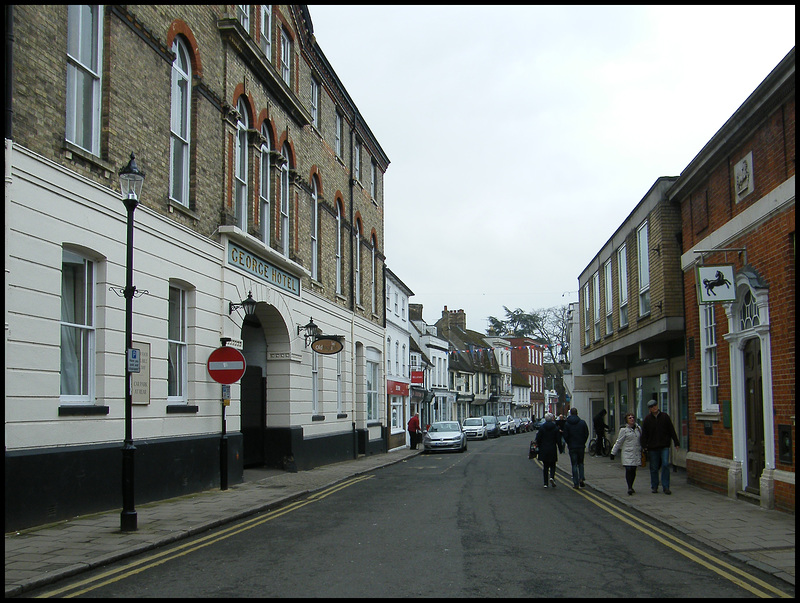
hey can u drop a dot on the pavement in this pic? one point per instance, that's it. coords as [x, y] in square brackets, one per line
[43, 555]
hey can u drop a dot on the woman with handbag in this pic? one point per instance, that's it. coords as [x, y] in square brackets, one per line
[629, 441]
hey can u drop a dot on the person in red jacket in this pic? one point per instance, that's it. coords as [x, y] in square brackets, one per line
[414, 430]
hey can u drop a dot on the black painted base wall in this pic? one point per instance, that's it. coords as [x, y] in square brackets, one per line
[53, 484]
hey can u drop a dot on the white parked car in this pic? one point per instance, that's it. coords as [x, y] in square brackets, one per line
[476, 427]
[505, 424]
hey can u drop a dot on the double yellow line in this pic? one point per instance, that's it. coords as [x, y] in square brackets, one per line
[115, 575]
[739, 577]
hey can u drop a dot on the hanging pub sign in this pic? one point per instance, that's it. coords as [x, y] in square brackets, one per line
[716, 284]
[328, 344]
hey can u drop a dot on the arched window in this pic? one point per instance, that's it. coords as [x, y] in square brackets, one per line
[314, 230]
[338, 248]
[284, 234]
[357, 268]
[242, 126]
[263, 189]
[373, 284]
[180, 123]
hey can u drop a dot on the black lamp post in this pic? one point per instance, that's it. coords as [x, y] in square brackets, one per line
[130, 180]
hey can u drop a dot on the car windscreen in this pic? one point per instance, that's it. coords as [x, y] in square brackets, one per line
[445, 427]
[473, 422]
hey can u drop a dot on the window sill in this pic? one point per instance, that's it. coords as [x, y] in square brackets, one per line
[173, 206]
[708, 415]
[181, 409]
[81, 410]
[72, 151]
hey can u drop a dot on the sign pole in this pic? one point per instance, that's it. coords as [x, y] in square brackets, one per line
[223, 444]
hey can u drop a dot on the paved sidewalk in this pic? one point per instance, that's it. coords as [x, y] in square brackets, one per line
[761, 538]
[43, 555]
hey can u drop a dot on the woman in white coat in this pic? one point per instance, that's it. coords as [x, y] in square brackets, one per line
[629, 441]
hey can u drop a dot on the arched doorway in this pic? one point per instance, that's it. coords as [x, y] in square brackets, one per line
[254, 392]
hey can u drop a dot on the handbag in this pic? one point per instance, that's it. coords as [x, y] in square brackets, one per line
[533, 452]
[644, 459]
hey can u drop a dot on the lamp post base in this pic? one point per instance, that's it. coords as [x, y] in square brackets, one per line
[128, 521]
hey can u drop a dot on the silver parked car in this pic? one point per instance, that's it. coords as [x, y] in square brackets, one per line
[444, 435]
[475, 427]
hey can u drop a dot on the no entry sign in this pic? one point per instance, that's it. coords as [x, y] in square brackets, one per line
[226, 365]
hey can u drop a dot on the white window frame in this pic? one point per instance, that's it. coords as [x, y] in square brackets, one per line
[596, 304]
[373, 185]
[241, 168]
[314, 103]
[177, 355]
[643, 265]
[357, 161]
[358, 262]
[284, 246]
[314, 230]
[77, 358]
[314, 383]
[263, 189]
[286, 58]
[338, 135]
[373, 283]
[371, 381]
[587, 316]
[180, 123]
[243, 14]
[709, 360]
[84, 63]
[609, 286]
[339, 396]
[339, 232]
[266, 30]
[622, 269]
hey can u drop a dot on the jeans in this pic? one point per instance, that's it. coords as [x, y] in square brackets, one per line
[576, 458]
[659, 459]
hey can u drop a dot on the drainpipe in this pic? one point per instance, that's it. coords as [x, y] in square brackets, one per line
[353, 249]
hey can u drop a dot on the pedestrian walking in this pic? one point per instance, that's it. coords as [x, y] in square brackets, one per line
[629, 442]
[576, 433]
[549, 440]
[600, 427]
[414, 430]
[657, 431]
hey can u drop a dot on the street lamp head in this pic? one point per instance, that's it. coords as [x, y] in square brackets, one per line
[131, 179]
[311, 331]
[248, 305]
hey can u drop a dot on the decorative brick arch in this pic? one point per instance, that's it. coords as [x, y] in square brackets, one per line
[316, 175]
[239, 92]
[264, 119]
[179, 27]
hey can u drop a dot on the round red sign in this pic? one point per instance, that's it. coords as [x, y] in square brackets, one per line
[226, 365]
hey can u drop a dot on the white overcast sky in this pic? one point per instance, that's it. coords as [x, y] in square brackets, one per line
[521, 137]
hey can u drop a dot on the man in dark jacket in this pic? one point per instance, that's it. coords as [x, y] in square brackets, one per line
[576, 432]
[549, 439]
[657, 431]
[600, 431]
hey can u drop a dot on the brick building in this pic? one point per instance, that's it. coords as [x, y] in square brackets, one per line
[629, 344]
[737, 202]
[262, 179]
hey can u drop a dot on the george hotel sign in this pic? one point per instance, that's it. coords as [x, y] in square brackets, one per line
[262, 269]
